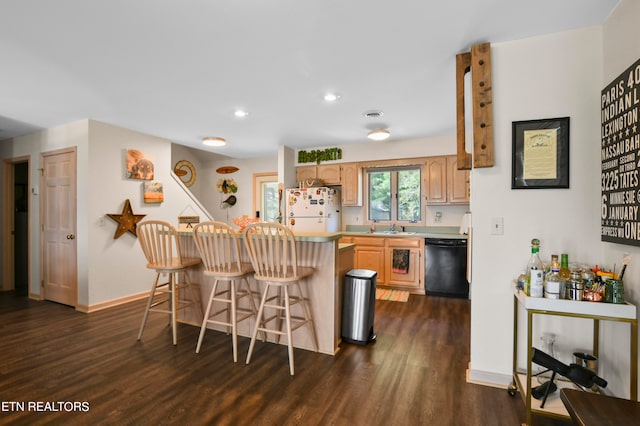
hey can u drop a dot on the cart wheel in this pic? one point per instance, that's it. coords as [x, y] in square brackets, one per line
[512, 389]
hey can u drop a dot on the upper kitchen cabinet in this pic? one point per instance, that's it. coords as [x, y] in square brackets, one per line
[345, 174]
[305, 172]
[435, 180]
[351, 179]
[444, 183]
[329, 174]
[458, 188]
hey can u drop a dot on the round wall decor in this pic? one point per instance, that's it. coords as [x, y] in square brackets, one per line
[186, 171]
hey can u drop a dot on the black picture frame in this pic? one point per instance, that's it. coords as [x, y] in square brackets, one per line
[533, 143]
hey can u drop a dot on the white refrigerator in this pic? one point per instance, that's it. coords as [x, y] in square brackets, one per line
[313, 209]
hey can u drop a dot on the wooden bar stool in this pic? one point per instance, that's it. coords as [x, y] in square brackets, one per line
[272, 249]
[161, 246]
[219, 250]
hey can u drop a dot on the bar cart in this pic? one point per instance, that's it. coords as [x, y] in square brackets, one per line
[595, 311]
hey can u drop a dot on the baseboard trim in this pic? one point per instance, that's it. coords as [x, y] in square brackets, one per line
[486, 378]
[35, 296]
[87, 309]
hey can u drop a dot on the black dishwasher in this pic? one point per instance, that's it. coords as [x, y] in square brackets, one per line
[445, 271]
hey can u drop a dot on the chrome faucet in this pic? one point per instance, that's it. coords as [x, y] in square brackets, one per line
[393, 227]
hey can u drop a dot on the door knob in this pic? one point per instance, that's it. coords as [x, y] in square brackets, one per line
[71, 237]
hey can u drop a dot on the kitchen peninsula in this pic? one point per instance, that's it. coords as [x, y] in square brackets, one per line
[321, 251]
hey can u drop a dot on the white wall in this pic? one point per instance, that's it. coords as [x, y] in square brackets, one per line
[108, 269]
[211, 198]
[620, 50]
[117, 266]
[198, 158]
[551, 76]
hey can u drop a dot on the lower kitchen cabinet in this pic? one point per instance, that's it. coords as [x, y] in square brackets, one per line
[403, 261]
[405, 272]
[370, 254]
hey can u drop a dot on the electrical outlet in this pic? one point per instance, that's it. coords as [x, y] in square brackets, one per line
[497, 226]
[438, 217]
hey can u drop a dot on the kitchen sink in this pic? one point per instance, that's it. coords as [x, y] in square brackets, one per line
[391, 233]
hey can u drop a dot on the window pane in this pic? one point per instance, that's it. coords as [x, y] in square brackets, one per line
[380, 196]
[409, 195]
[269, 201]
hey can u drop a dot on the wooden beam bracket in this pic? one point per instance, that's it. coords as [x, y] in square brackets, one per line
[478, 62]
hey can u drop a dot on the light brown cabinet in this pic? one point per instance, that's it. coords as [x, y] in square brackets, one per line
[370, 255]
[435, 180]
[305, 172]
[346, 175]
[351, 180]
[444, 183]
[405, 271]
[458, 188]
[377, 254]
[329, 174]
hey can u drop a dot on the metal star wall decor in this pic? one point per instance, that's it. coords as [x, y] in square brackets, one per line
[127, 221]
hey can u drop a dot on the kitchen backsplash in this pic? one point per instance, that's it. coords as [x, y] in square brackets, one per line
[450, 216]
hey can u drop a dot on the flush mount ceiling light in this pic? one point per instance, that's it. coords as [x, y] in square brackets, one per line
[378, 134]
[331, 97]
[240, 113]
[217, 142]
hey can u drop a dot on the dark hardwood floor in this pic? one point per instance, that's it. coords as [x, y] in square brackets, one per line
[414, 374]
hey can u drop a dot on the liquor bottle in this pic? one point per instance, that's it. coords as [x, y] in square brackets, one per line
[522, 280]
[535, 271]
[564, 266]
[553, 282]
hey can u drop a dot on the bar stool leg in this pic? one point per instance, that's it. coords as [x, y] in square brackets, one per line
[203, 328]
[287, 311]
[173, 295]
[258, 321]
[279, 313]
[234, 320]
[252, 304]
[149, 302]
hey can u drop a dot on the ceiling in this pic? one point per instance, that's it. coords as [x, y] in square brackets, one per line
[179, 69]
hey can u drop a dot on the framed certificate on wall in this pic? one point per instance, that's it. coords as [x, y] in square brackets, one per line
[540, 157]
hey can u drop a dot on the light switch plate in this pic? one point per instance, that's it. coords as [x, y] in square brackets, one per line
[497, 226]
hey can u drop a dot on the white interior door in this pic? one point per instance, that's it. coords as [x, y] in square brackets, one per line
[58, 204]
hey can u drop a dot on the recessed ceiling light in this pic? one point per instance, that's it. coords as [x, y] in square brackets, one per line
[240, 113]
[331, 97]
[378, 134]
[217, 142]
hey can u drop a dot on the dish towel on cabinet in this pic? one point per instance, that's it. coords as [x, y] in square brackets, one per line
[400, 261]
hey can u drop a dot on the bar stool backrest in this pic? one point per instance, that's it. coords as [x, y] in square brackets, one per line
[272, 249]
[159, 242]
[218, 246]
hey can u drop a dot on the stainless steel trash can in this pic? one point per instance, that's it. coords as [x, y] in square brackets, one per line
[358, 306]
